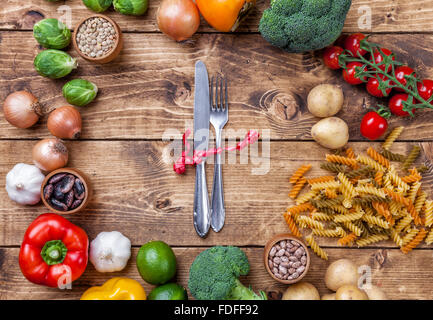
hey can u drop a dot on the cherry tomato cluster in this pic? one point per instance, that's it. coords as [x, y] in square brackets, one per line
[380, 83]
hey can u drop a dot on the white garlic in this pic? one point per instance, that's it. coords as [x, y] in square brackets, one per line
[23, 184]
[110, 251]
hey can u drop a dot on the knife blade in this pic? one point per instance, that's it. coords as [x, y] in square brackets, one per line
[201, 143]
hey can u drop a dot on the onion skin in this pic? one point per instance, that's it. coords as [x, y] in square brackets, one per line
[50, 154]
[178, 19]
[22, 109]
[65, 123]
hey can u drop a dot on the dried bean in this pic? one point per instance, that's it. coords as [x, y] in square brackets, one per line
[278, 247]
[300, 270]
[293, 249]
[277, 275]
[59, 195]
[76, 204]
[275, 270]
[299, 252]
[277, 260]
[79, 189]
[282, 270]
[284, 259]
[290, 278]
[296, 265]
[285, 264]
[292, 270]
[289, 244]
[66, 184]
[48, 191]
[273, 252]
[283, 244]
[293, 258]
[280, 253]
[69, 198]
[58, 205]
[56, 178]
[286, 276]
[304, 260]
[295, 243]
[295, 275]
[271, 264]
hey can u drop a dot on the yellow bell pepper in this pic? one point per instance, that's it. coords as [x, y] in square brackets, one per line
[118, 288]
[225, 15]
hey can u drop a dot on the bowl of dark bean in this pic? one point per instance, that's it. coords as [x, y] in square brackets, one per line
[286, 258]
[66, 190]
[98, 39]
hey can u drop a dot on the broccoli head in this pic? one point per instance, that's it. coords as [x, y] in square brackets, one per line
[303, 25]
[215, 272]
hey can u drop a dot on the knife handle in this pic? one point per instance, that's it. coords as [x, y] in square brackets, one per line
[201, 201]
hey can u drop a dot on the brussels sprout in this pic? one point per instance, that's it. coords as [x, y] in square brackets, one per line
[80, 92]
[52, 34]
[98, 5]
[130, 7]
[54, 64]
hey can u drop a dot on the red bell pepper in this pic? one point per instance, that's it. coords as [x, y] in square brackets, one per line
[54, 251]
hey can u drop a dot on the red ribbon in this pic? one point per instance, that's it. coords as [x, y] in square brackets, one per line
[180, 164]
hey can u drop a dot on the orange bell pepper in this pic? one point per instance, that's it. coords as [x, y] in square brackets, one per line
[225, 15]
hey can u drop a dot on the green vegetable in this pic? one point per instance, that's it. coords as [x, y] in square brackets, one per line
[169, 291]
[98, 5]
[80, 92]
[303, 25]
[51, 33]
[131, 7]
[214, 275]
[54, 64]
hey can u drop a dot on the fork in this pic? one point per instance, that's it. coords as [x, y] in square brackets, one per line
[218, 118]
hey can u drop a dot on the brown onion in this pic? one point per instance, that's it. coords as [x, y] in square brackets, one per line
[22, 109]
[178, 19]
[50, 154]
[65, 123]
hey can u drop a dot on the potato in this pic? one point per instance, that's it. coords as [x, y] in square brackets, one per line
[325, 100]
[375, 293]
[331, 133]
[329, 296]
[301, 291]
[349, 292]
[341, 272]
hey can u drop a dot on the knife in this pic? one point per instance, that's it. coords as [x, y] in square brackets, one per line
[201, 143]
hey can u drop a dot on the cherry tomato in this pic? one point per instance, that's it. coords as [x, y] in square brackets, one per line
[330, 57]
[349, 73]
[400, 73]
[353, 44]
[378, 58]
[396, 104]
[425, 89]
[373, 125]
[373, 86]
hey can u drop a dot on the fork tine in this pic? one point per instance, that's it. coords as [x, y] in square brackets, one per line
[221, 93]
[211, 93]
[226, 106]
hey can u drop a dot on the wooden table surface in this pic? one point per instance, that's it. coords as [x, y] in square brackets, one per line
[149, 89]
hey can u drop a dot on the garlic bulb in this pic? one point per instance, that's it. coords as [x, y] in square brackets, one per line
[23, 184]
[110, 251]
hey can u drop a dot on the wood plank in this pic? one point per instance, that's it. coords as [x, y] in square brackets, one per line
[386, 16]
[400, 276]
[138, 194]
[152, 84]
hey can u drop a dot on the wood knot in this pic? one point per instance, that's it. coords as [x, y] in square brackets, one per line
[162, 203]
[283, 105]
[30, 18]
[273, 293]
[182, 93]
[379, 258]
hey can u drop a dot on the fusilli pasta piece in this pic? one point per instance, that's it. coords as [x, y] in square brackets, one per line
[429, 239]
[370, 162]
[297, 188]
[428, 211]
[347, 240]
[394, 134]
[378, 157]
[299, 173]
[320, 179]
[342, 160]
[300, 208]
[332, 167]
[292, 225]
[306, 197]
[316, 248]
[412, 156]
[371, 239]
[415, 241]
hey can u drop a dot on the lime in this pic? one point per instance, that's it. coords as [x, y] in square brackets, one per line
[169, 291]
[156, 262]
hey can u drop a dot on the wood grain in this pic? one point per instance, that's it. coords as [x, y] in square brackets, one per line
[143, 93]
[400, 276]
[137, 193]
[386, 16]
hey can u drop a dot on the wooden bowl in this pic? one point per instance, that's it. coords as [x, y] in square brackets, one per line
[111, 55]
[274, 241]
[77, 173]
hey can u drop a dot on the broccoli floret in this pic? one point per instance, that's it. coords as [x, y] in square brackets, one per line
[214, 275]
[303, 25]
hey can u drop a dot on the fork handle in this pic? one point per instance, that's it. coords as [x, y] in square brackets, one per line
[218, 212]
[201, 201]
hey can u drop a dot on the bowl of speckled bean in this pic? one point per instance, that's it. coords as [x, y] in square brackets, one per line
[286, 258]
